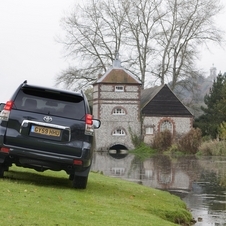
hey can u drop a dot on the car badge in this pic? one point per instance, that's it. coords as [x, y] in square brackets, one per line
[47, 119]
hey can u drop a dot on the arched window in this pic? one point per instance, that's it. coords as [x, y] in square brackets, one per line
[119, 111]
[166, 125]
[119, 132]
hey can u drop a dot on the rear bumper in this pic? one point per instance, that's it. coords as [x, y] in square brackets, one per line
[41, 161]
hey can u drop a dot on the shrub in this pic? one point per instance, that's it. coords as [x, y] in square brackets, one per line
[174, 151]
[206, 148]
[213, 147]
[191, 141]
[162, 140]
[142, 151]
[222, 131]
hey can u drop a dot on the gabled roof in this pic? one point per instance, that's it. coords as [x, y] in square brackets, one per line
[161, 101]
[119, 75]
[148, 94]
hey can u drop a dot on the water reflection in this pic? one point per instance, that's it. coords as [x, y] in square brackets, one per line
[200, 182]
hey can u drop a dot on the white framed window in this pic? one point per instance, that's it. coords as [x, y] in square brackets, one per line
[149, 130]
[119, 132]
[149, 174]
[118, 171]
[166, 125]
[119, 88]
[119, 111]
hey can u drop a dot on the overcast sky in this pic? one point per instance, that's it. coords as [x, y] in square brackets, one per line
[29, 51]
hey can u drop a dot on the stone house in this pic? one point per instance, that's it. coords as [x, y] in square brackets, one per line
[161, 110]
[125, 109]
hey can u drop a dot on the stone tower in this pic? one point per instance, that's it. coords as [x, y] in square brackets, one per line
[116, 102]
[213, 73]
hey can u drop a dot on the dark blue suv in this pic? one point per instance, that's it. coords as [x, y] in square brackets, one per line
[45, 128]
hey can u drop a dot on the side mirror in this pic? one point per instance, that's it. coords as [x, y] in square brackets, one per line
[96, 123]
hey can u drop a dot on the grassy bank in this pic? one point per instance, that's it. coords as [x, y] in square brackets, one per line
[32, 198]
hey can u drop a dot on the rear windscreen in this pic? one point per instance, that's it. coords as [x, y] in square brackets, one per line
[50, 103]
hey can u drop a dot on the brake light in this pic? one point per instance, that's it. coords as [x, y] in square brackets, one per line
[89, 119]
[5, 150]
[9, 105]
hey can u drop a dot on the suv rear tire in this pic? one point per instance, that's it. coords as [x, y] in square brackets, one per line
[80, 182]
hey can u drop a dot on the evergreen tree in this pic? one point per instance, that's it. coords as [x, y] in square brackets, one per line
[215, 110]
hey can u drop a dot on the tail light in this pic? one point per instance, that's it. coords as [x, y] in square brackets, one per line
[4, 115]
[89, 119]
[9, 105]
[89, 125]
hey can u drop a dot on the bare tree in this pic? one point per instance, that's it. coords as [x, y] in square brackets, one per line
[93, 36]
[157, 39]
[95, 33]
[185, 26]
[141, 20]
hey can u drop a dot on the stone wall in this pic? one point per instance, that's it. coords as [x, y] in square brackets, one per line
[181, 125]
[105, 100]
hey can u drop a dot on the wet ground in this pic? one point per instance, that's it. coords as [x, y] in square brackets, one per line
[200, 182]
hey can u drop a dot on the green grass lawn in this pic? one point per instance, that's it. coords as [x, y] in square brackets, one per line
[39, 199]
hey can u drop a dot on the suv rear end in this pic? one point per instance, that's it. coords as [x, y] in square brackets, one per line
[44, 128]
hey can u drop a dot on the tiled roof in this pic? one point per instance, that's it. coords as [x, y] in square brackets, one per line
[118, 74]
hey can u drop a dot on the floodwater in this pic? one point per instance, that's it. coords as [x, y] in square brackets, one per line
[199, 181]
